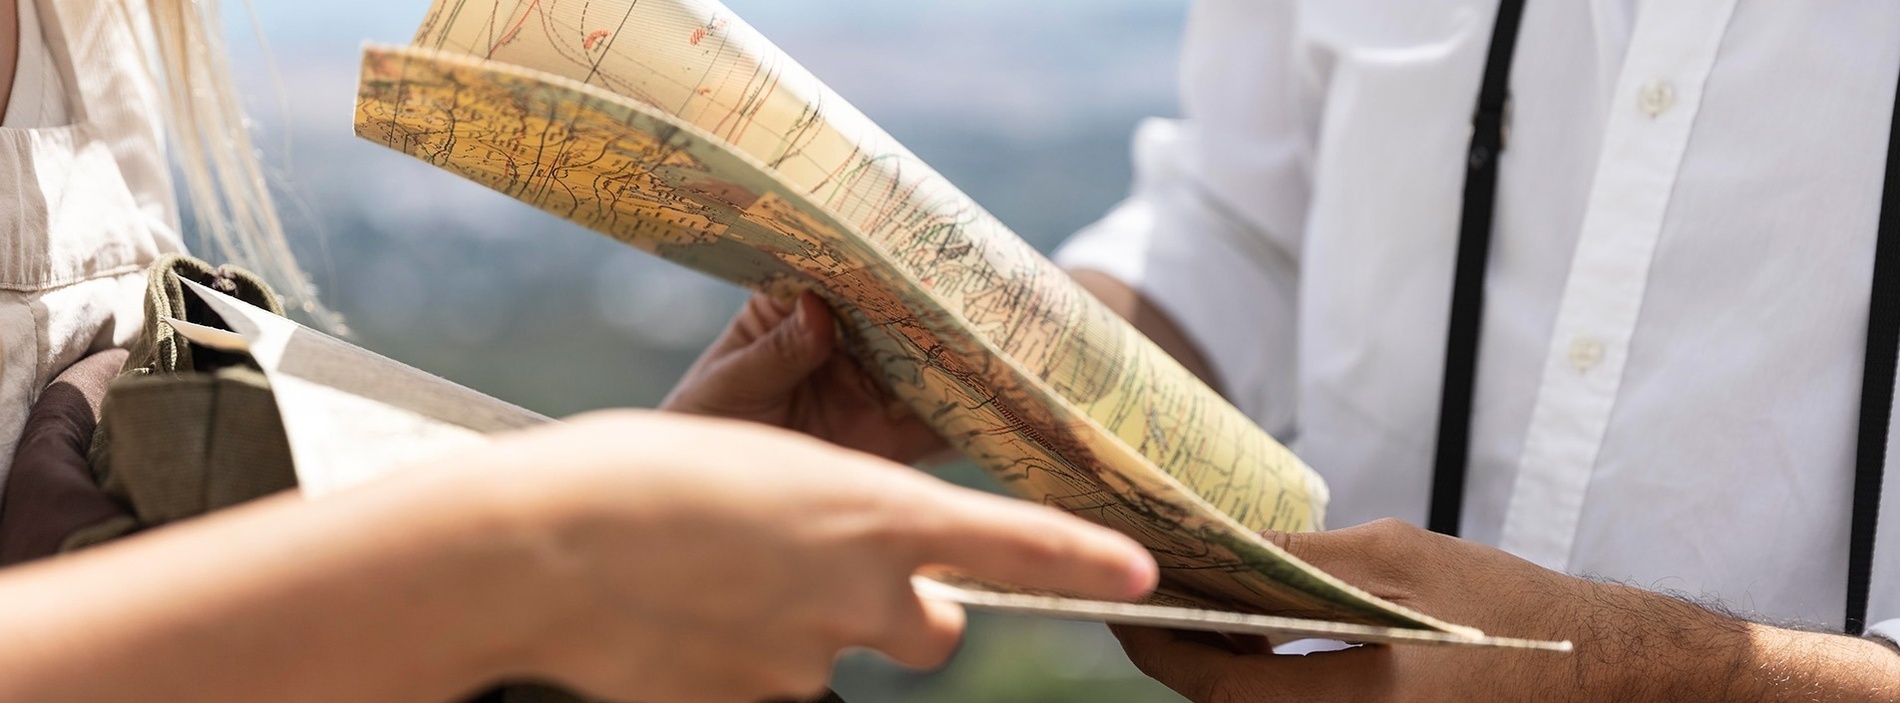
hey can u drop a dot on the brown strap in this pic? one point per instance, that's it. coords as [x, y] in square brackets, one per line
[50, 492]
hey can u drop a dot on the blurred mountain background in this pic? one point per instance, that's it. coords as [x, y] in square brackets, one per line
[1028, 106]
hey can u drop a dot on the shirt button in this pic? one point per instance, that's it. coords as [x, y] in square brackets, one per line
[1655, 97]
[1586, 353]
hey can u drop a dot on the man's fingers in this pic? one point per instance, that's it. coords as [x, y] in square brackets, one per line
[1203, 672]
[1372, 556]
[1024, 544]
[1191, 668]
[901, 435]
[762, 354]
[912, 442]
[758, 316]
[783, 354]
[1320, 549]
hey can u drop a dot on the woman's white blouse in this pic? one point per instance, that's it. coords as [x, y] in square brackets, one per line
[1671, 354]
[38, 97]
[86, 202]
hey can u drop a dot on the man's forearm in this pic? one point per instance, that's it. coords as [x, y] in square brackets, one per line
[340, 599]
[1653, 647]
[1789, 665]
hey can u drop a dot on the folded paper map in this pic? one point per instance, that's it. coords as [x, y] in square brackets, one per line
[673, 126]
[351, 415]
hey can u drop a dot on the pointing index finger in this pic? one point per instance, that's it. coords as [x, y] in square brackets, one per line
[1024, 544]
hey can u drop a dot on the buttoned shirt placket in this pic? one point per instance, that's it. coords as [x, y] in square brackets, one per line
[1658, 93]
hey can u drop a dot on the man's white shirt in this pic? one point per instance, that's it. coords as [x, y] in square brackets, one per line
[1670, 360]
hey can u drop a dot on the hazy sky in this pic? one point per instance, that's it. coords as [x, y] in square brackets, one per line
[290, 22]
[1036, 65]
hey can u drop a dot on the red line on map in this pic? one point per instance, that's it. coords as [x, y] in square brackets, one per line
[512, 31]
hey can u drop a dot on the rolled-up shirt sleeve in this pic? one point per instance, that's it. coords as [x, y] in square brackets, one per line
[1210, 231]
[1888, 630]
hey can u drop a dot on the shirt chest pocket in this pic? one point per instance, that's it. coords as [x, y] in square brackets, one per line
[66, 213]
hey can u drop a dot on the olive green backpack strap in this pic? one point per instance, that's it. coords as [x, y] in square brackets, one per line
[159, 348]
[185, 430]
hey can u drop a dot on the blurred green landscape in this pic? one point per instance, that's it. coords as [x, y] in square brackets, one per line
[1027, 106]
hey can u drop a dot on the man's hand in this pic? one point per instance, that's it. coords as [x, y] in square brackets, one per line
[1631, 644]
[778, 364]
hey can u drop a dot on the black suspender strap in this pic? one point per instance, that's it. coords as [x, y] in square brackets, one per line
[1467, 290]
[1876, 387]
[1467, 314]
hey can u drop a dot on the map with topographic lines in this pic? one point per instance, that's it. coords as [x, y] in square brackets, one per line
[673, 126]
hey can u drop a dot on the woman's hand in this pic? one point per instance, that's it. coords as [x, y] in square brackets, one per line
[778, 364]
[634, 556]
[707, 560]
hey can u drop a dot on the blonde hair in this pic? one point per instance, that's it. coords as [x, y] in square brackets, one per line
[211, 145]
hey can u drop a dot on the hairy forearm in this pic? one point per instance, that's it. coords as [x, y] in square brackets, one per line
[1665, 649]
[371, 595]
[1790, 665]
